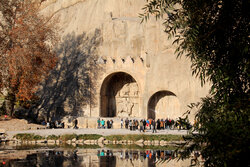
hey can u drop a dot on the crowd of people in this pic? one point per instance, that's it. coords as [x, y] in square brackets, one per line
[59, 124]
[146, 124]
[154, 125]
[104, 125]
[131, 124]
[53, 124]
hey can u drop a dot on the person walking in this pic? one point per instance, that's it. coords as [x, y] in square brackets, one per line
[144, 124]
[161, 124]
[107, 122]
[103, 124]
[48, 125]
[99, 123]
[166, 124]
[141, 126]
[75, 124]
[130, 124]
[111, 123]
[147, 123]
[126, 123]
[150, 124]
[154, 126]
[133, 125]
[136, 124]
[158, 124]
[121, 123]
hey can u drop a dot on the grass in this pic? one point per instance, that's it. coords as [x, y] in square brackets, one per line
[79, 137]
[89, 136]
[145, 137]
[72, 136]
[53, 137]
[29, 137]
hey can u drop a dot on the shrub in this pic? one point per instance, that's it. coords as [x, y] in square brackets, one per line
[28, 136]
[53, 137]
[89, 136]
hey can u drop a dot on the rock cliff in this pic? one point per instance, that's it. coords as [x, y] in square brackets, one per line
[140, 50]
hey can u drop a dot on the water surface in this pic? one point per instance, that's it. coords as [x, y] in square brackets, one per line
[87, 157]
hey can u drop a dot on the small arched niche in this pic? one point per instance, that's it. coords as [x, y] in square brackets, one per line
[119, 96]
[163, 104]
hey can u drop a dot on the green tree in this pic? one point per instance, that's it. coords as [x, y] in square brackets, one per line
[26, 50]
[214, 35]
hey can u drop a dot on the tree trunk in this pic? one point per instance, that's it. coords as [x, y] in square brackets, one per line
[9, 106]
[10, 103]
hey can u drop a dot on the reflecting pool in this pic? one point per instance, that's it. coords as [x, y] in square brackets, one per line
[87, 157]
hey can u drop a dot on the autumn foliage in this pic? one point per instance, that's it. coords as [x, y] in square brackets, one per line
[26, 53]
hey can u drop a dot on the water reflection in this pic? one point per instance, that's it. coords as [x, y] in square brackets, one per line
[107, 158]
[45, 158]
[88, 157]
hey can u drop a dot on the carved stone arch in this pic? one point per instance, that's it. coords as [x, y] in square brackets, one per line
[119, 96]
[163, 104]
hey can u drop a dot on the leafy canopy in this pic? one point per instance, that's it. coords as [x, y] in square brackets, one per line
[26, 54]
[214, 35]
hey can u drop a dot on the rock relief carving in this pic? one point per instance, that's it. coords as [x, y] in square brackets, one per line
[127, 100]
[134, 89]
[124, 92]
[124, 107]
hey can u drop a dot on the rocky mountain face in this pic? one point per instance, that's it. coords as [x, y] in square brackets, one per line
[102, 39]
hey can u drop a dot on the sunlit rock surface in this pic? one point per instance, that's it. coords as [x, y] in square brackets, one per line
[138, 74]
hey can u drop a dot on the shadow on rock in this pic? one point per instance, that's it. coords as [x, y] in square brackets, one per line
[70, 87]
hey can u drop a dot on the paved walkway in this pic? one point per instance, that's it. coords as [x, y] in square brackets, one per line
[104, 132]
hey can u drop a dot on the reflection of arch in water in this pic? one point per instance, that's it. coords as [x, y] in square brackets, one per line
[119, 96]
[163, 104]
